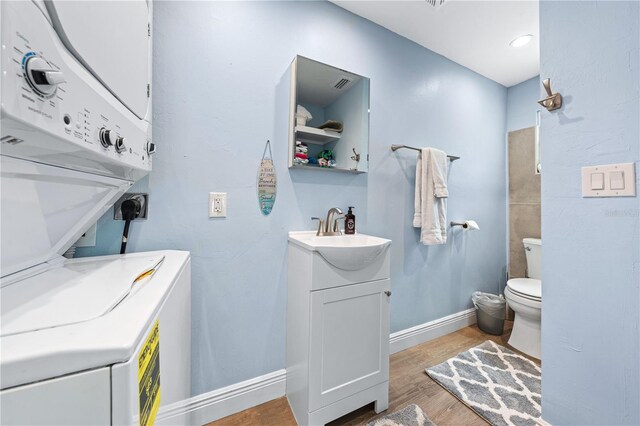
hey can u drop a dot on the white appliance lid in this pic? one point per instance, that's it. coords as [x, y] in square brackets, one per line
[110, 38]
[31, 356]
[45, 209]
[526, 286]
[77, 292]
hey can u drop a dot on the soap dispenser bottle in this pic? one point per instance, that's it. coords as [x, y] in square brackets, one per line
[350, 222]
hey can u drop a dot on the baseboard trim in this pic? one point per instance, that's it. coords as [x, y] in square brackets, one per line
[413, 336]
[210, 406]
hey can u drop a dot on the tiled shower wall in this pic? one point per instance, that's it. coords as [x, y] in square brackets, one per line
[524, 198]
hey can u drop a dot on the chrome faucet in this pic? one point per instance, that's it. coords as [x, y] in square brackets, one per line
[330, 227]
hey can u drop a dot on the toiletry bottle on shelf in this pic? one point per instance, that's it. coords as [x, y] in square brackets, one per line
[350, 222]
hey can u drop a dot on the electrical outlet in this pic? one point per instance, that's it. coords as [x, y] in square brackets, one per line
[217, 204]
[144, 205]
[88, 239]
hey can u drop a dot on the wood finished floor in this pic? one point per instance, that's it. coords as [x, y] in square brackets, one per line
[408, 384]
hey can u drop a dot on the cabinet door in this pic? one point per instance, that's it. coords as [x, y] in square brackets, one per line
[349, 345]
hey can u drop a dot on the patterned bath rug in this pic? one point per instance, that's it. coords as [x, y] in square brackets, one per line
[495, 382]
[411, 415]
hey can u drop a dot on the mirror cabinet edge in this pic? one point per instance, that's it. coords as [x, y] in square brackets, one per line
[292, 109]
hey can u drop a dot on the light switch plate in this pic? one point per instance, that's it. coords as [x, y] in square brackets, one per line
[619, 180]
[217, 204]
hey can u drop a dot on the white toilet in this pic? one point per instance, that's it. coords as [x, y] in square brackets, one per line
[524, 296]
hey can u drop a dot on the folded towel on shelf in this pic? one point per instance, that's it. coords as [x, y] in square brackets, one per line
[431, 196]
[302, 116]
[300, 161]
[332, 125]
[302, 156]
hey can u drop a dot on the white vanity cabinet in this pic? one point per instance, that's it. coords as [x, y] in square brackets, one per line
[337, 331]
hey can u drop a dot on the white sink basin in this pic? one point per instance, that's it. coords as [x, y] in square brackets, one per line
[346, 252]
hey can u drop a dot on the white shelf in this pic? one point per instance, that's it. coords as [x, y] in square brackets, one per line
[325, 169]
[315, 136]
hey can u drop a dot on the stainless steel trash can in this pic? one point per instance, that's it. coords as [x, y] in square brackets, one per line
[490, 312]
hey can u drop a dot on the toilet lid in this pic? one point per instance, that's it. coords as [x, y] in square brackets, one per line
[526, 286]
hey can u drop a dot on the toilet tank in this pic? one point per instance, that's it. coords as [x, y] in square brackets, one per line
[533, 251]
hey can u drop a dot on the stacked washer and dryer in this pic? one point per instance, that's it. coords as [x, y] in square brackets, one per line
[102, 340]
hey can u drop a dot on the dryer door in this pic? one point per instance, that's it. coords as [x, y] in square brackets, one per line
[112, 39]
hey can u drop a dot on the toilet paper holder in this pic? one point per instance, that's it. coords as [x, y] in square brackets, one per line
[467, 224]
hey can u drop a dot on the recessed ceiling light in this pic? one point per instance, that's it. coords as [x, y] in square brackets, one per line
[521, 40]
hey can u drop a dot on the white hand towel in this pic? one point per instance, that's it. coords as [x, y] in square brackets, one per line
[438, 163]
[430, 196]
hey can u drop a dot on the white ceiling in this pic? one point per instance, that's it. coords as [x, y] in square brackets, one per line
[473, 33]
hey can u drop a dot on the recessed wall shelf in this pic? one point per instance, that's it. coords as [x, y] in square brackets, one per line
[322, 100]
[315, 136]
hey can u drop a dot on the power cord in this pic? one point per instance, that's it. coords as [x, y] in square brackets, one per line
[130, 210]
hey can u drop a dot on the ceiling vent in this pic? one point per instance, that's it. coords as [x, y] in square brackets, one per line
[435, 3]
[342, 82]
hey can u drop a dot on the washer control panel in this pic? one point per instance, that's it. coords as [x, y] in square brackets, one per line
[42, 77]
[55, 111]
[109, 138]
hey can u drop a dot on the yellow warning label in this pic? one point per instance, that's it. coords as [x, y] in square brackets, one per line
[149, 377]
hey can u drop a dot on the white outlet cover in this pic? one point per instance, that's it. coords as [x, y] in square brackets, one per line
[88, 239]
[217, 204]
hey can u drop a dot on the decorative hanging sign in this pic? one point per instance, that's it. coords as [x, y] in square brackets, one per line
[266, 182]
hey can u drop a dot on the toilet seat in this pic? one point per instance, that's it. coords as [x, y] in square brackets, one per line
[528, 288]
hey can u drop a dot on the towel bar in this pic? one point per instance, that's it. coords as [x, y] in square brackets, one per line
[397, 147]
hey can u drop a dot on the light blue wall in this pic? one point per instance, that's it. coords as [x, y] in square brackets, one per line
[591, 246]
[522, 104]
[218, 97]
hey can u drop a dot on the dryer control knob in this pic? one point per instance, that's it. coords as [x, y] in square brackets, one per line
[42, 78]
[120, 144]
[151, 148]
[107, 137]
